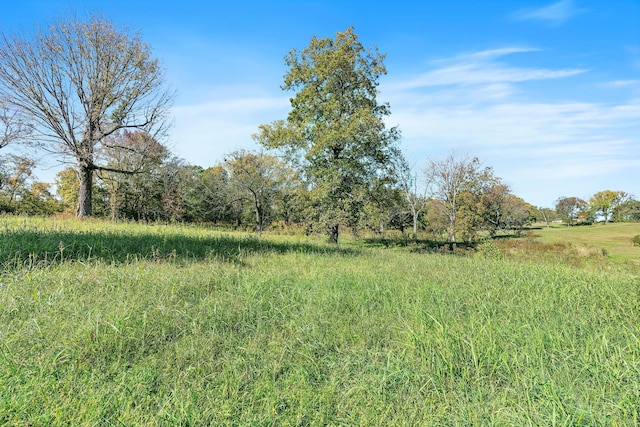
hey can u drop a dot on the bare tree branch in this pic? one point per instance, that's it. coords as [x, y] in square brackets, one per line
[81, 82]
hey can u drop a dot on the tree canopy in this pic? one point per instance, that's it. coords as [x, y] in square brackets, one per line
[335, 129]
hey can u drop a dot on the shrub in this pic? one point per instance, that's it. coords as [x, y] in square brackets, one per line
[636, 240]
[489, 249]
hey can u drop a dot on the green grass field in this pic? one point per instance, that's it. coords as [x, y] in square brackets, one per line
[600, 246]
[614, 238]
[127, 324]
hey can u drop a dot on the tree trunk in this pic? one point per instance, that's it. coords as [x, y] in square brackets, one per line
[415, 227]
[333, 233]
[85, 175]
[259, 219]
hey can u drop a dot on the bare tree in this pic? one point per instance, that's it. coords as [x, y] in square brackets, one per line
[415, 192]
[80, 82]
[547, 214]
[12, 126]
[452, 182]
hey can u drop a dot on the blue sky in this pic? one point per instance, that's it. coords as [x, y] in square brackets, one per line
[547, 93]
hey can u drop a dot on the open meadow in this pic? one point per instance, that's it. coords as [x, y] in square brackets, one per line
[614, 239]
[131, 324]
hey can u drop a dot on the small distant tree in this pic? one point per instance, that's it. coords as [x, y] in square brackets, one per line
[212, 199]
[436, 220]
[622, 197]
[15, 173]
[570, 208]
[604, 203]
[546, 214]
[413, 190]
[258, 176]
[79, 82]
[517, 213]
[456, 182]
[493, 207]
[628, 211]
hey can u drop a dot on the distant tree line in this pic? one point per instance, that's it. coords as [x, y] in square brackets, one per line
[454, 199]
[93, 96]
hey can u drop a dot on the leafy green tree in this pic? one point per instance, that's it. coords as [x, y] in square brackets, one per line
[502, 210]
[604, 203]
[15, 174]
[80, 82]
[292, 197]
[212, 199]
[517, 213]
[571, 208]
[159, 194]
[335, 129]
[622, 198]
[493, 204]
[177, 180]
[66, 182]
[436, 219]
[258, 177]
[38, 200]
[386, 208]
[628, 211]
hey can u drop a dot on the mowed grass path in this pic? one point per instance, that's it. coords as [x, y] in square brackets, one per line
[286, 331]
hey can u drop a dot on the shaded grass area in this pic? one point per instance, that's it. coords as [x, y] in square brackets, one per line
[313, 337]
[32, 241]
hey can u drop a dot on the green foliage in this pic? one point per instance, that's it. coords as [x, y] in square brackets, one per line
[335, 129]
[636, 240]
[286, 331]
[628, 211]
[572, 209]
[488, 250]
[256, 178]
[67, 190]
[458, 183]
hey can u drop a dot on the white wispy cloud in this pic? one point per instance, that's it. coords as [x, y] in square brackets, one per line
[480, 68]
[204, 132]
[539, 142]
[556, 13]
[623, 83]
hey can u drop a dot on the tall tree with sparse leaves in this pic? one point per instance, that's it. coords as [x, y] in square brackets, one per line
[80, 81]
[335, 128]
[456, 183]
